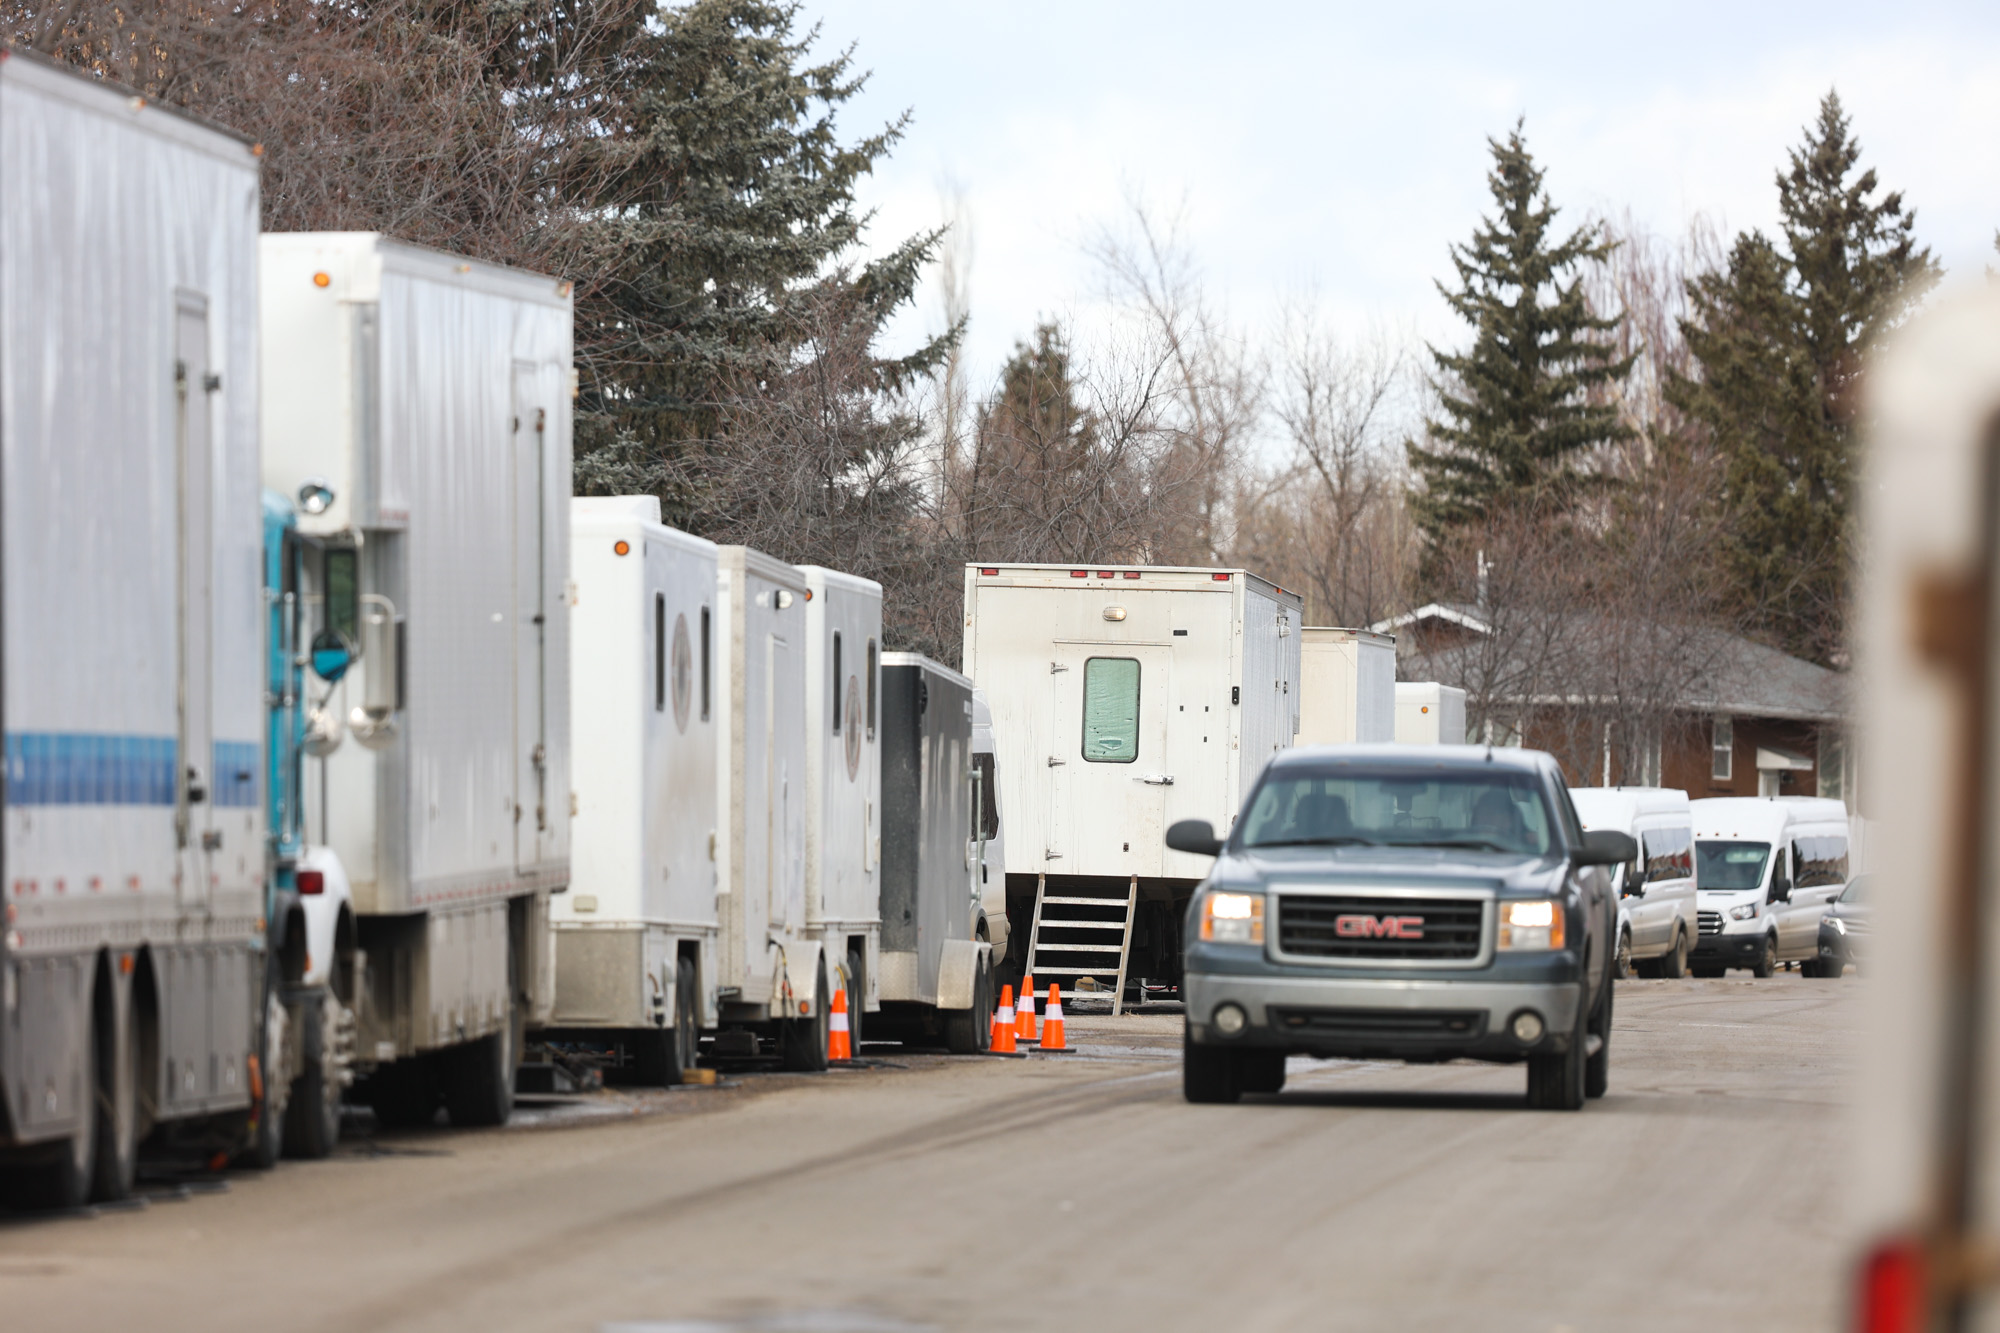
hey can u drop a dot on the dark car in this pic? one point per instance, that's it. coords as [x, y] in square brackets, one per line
[1844, 930]
[1408, 903]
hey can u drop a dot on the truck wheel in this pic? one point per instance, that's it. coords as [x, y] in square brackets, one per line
[267, 1141]
[1767, 958]
[970, 1031]
[1675, 965]
[479, 1084]
[1261, 1071]
[1597, 1068]
[1210, 1074]
[1621, 963]
[802, 1041]
[312, 1118]
[117, 1164]
[1555, 1082]
[404, 1095]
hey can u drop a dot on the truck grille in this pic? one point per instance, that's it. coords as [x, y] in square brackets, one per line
[1709, 923]
[1388, 1025]
[1359, 926]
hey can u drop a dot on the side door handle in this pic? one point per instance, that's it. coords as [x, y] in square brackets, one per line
[1156, 779]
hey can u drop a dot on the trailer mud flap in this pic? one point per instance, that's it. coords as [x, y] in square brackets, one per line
[796, 979]
[958, 972]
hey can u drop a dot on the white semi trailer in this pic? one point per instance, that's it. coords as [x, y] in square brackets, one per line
[636, 936]
[844, 781]
[1124, 698]
[131, 953]
[418, 404]
[1347, 687]
[772, 979]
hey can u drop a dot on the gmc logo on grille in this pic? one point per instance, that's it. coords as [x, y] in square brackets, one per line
[1356, 926]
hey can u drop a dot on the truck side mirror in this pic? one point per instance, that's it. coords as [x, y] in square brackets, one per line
[331, 655]
[1194, 836]
[1605, 847]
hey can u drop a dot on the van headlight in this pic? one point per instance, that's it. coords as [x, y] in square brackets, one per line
[1838, 925]
[1742, 911]
[1532, 923]
[1233, 918]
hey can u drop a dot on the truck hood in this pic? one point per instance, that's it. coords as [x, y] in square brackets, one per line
[1454, 867]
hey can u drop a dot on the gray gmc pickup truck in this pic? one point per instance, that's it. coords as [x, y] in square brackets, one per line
[1416, 903]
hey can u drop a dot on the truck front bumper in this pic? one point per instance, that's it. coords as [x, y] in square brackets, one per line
[1365, 1018]
[1738, 949]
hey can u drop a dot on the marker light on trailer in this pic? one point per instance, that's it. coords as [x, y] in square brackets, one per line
[322, 279]
[1220, 578]
[621, 548]
[1131, 573]
[1106, 574]
[990, 573]
[1079, 573]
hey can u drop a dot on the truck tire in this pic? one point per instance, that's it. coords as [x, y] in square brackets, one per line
[404, 1095]
[1674, 965]
[1261, 1071]
[479, 1083]
[1555, 1082]
[312, 1117]
[970, 1031]
[117, 1164]
[802, 1041]
[1210, 1075]
[1767, 958]
[1597, 1068]
[267, 1137]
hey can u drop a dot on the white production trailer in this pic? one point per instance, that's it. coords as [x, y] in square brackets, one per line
[1347, 687]
[772, 978]
[636, 935]
[844, 781]
[1124, 698]
[1428, 713]
[133, 830]
[418, 404]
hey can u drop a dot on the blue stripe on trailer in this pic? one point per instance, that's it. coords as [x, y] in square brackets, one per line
[80, 768]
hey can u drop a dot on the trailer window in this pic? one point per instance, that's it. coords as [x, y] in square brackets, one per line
[659, 653]
[704, 664]
[836, 682]
[871, 689]
[683, 672]
[1111, 710]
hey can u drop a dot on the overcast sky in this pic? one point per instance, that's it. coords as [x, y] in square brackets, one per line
[1340, 148]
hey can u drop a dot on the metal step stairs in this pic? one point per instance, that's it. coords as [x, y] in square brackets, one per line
[1073, 933]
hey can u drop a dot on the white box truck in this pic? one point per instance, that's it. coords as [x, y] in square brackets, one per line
[1428, 713]
[773, 979]
[133, 830]
[636, 935]
[1347, 686]
[844, 782]
[418, 404]
[1124, 698]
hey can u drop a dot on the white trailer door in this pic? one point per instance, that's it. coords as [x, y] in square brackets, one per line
[531, 798]
[1110, 763]
[194, 387]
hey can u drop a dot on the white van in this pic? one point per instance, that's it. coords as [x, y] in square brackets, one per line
[1657, 926]
[1765, 869]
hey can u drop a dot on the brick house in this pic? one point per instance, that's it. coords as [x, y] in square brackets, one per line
[1751, 721]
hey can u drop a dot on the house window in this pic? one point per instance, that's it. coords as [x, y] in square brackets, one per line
[1832, 766]
[1722, 750]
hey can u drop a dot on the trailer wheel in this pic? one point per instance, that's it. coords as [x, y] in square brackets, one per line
[62, 1181]
[118, 1109]
[404, 1095]
[970, 1031]
[802, 1041]
[479, 1080]
[312, 1117]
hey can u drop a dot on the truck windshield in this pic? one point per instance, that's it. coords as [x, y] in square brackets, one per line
[1730, 866]
[1480, 811]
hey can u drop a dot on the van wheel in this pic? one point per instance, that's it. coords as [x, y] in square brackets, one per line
[1621, 963]
[970, 1031]
[1555, 1082]
[1674, 965]
[1767, 958]
[1209, 1074]
[802, 1041]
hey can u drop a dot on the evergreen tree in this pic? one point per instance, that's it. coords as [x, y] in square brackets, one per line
[1516, 411]
[1779, 335]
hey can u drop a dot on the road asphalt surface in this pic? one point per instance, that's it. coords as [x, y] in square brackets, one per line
[1077, 1193]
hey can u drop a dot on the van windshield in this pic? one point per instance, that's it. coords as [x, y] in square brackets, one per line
[1480, 810]
[1730, 866]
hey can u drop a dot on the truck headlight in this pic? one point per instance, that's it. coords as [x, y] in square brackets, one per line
[1742, 911]
[1536, 923]
[1233, 918]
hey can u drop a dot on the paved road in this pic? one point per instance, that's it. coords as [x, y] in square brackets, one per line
[1079, 1194]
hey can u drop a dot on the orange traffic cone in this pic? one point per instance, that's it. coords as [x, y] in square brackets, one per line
[837, 1047]
[1003, 1024]
[1024, 1013]
[1052, 1024]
